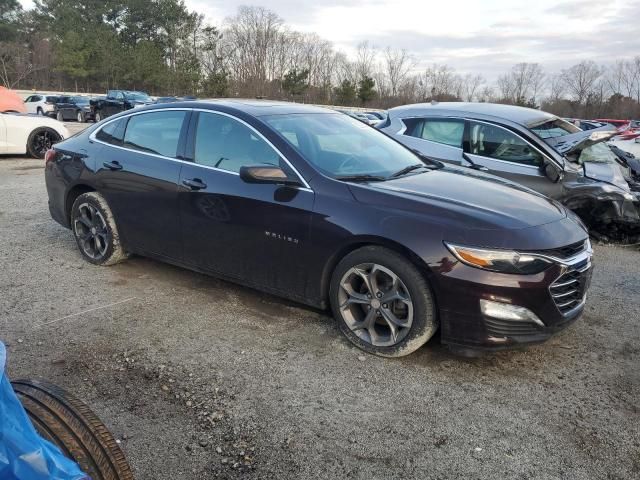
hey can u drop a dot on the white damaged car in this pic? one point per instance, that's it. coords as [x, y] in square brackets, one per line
[20, 134]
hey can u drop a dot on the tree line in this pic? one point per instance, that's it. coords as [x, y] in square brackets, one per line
[162, 47]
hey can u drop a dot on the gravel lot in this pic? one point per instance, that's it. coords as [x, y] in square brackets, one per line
[202, 379]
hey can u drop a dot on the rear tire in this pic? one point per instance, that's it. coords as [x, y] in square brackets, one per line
[59, 117]
[382, 302]
[98, 116]
[95, 230]
[41, 140]
[80, 117]
[69, 424]
[39, 111]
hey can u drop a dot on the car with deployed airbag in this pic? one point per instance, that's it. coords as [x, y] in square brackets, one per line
[312, 205]
[530, 147]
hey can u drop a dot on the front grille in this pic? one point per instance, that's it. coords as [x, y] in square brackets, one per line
[564, 253]
[569, 289]
[509, 328]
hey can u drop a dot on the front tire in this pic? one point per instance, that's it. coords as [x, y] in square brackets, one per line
[80, 117]
[39, 111]
[382, 303]
[98, 116]
[95, 230]
[59, 117]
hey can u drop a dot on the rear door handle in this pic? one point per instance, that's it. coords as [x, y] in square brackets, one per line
[112, 165]
[194, 184]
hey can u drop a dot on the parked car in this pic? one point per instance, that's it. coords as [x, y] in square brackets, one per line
[378, 114]
[619, 124]
[73, 108]
[117, 101]
[309, 204]
[531, 147]
[11, 102]
[40, 104]
[20, 134]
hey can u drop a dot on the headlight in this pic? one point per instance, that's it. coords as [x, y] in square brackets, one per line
[504, 261]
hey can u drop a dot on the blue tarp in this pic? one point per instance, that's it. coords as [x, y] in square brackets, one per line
[24, 455]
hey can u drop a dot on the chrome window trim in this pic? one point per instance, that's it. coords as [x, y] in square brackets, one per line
[465, 119]
[93, 138]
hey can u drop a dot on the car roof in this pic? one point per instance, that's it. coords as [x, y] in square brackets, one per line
[256, 108]
[521, 115]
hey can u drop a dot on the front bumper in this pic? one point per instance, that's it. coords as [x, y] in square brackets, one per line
[556, 296]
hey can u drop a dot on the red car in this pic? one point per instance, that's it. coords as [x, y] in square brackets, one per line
[625, 129]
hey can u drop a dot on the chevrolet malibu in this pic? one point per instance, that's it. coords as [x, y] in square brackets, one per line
[315, 206]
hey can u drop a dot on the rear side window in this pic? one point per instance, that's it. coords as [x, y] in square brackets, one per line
[448, 131]
[112, 132]
[52, 99]
[155, 132]
[496, 142]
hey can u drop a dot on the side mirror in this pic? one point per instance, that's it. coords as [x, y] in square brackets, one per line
[267, 174]
[551, 172]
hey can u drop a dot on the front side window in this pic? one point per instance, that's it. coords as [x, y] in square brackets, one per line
[448, 131]
[340, 146]
[155, 132]
[227, 144]
[496, 142]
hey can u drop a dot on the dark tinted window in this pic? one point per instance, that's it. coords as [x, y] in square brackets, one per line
[80, 100]
[442, 130]
[499, 143]
[112, 132]
[156, 132]
[51, 99]
[225, 143]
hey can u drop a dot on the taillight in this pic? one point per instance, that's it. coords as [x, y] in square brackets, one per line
[50, 155]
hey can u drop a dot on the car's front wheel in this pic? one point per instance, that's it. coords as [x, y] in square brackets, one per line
[382, 302]
[95, 230]
[80, 117]
[98, 116]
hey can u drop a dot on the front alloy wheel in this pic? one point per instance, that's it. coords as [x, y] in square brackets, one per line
[41, 140]
[382, 302]
[375, 304]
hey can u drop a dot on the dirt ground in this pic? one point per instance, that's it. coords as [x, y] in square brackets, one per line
[199, 378]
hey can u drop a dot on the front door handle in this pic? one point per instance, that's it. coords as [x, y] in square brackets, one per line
[112, 165]
[194, 184]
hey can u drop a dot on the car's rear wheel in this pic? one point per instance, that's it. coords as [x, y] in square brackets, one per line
[59, 117]
[41, 140]
[39, 111]
[382, 302]
[95, 230]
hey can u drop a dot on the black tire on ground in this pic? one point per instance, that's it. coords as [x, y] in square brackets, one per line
[98, 116]
[41, 140]
[39, 111]
[69, 424]
[95, 230]
[414, 287]
[80, 116]
[59, 117]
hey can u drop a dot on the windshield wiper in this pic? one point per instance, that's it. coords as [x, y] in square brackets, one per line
[408, 169]
[361, 178]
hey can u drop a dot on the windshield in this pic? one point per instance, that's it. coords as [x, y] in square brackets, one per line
[554, 128]
[339, 145]
[81, 100]
[140, 96]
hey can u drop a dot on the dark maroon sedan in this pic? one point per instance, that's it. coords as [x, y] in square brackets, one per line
[318, 207]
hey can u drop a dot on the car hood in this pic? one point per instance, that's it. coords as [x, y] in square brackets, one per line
[575, 142]
[474, 202]
[606, 172]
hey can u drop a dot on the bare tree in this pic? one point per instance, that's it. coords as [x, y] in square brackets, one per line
[470, 86]
[365, 60]
[581, 79]
[522, 84]
[397, 64]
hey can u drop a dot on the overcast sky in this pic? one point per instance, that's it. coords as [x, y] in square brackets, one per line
[485, 36]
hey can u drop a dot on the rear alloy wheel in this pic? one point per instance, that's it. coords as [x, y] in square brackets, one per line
[95, 230]
[98, 117]
[80, 117]
[41, 140]
[382, 302]
[59, 117]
